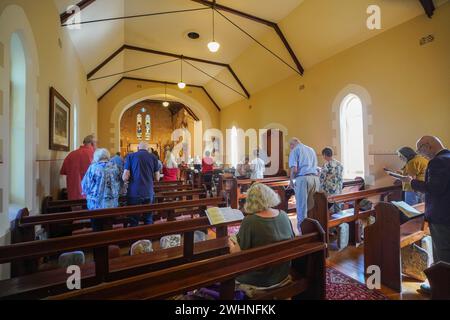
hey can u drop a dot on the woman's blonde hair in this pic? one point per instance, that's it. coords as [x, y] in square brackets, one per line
[260, 197]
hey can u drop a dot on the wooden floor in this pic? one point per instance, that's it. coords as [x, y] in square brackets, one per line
[350, 261]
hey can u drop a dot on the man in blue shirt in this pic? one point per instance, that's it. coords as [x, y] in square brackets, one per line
[303, 169]
[140, 169]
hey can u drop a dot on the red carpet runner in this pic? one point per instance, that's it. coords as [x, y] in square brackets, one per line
[342, 287]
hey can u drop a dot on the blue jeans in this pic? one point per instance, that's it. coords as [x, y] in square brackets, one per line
[148, 217]
[305, 187]
[412, 198]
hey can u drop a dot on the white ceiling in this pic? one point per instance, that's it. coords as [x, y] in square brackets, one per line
[316, 30]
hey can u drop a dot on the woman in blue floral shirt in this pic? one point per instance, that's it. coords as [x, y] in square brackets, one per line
[101, 184]
[331, 176]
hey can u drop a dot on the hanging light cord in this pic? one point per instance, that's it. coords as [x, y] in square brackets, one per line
[213, 25]
[181, 68]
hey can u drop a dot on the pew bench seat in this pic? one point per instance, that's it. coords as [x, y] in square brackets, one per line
[412, 231]
[53, 281]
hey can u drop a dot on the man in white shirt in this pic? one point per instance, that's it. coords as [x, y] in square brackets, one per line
[258, 166]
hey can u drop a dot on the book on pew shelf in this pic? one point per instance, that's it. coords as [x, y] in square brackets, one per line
[222, 215]
[408, 211]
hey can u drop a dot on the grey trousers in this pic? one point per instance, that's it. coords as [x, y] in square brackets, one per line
[440, 235]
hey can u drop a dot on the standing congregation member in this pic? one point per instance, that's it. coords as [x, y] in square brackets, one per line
[118, 161]
[258, 166]
[170, 168]
[101, 185]
[140, 169]
[415, 166]
[75, 166]
[437, 194]
[244, 169]
[303, 170]
[331, 176]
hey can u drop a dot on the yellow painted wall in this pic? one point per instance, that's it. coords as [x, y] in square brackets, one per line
[59, 67]
[408, 84]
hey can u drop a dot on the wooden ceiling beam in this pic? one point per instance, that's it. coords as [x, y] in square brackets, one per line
[83, 4]
[428, 6]
[168, 54]
[271, 24]
[161, 82]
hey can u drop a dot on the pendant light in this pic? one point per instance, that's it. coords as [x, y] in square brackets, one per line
[165, 103]
[181, 84]
[213, 46]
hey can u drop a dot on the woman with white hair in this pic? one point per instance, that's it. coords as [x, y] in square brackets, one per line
[263, 225]
[170, 167]
[101, 184]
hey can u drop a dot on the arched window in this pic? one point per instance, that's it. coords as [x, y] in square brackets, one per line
[139, 127]
[147, 127]
[234, 147]
[17, 124]
[352, 136]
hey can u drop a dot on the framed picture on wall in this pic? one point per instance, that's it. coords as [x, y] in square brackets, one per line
[59, 125]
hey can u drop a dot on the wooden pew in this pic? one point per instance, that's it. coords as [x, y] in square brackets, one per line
[50, 206]
[352, 216]
[33, 284]
[385, 238]
[235, 189]
[439, 277]
[23, 227]
[306, 252]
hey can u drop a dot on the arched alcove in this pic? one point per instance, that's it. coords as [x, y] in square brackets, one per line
[154, 93]
[353, 90]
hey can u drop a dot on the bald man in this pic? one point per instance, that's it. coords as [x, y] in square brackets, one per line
[304, 177]
[140, 169]
[437, 194]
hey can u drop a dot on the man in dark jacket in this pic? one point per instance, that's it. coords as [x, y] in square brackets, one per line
[437, 194]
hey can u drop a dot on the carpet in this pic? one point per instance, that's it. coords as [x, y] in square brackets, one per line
[341, 287]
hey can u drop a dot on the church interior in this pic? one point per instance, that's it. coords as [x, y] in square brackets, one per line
[230, 99]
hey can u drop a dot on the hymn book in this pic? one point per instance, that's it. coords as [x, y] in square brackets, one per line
[223, 215]
[409, 211]
[394, 174]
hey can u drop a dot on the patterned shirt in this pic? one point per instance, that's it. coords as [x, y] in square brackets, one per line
[101, 185]
[331, 180]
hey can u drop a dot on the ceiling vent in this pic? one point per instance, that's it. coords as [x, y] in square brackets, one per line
[193, 35]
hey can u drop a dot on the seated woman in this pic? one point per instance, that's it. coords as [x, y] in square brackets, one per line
[101, 184]
[170, 168]
[262, 226]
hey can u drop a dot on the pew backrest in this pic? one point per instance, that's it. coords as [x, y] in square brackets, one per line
[306, 252]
